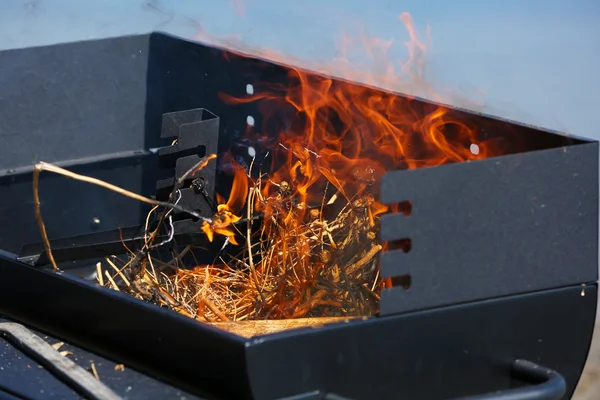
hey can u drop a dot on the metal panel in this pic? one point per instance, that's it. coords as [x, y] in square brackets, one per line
[490, 228]
[437, 355]
[155, 341]
[449, 352]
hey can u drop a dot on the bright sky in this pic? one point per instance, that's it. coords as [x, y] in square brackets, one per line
[531, 60]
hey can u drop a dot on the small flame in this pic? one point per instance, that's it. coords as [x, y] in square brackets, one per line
[226, 216]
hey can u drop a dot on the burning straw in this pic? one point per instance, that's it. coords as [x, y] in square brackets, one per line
[282, 259]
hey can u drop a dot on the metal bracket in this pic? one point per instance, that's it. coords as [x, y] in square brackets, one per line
[196, 134]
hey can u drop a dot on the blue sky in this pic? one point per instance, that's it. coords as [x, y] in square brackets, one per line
[530, 60]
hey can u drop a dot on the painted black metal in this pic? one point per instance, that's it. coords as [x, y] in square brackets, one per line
[62, 367]
[109, 128]
[98, 105]
[526, 204]
[196, 131]
[494, 227]
[24, 378]
[6, 395]
[437, 354]
[195, 135]
[156, 341]
[120, 241]
[546, 384]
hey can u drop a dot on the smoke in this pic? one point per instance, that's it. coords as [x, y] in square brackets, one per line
[399, 63]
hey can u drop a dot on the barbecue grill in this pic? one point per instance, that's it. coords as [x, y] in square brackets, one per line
[494, 298]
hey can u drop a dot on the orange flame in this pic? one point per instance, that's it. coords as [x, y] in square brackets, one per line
[226, 211]
[349, 135]
[337, 139]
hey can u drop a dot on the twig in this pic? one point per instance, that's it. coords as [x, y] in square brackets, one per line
[178, 257]
[196, 167]
[214, 309]
[99, 273]
[112, 282]
[38, 216]
[44, 166]
[95, 372]
[121, 275]
[364, 260]
[249, 242]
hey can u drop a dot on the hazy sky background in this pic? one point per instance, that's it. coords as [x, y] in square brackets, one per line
[531, 60]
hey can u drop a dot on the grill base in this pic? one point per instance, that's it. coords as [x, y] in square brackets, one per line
[437, 354]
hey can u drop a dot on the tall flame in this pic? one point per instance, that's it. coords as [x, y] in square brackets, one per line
[335, 140]
[349, 135]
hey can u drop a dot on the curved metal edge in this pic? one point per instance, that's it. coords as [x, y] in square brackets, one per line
[547, 384]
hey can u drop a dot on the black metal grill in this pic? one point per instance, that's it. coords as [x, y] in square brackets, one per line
[502, 261]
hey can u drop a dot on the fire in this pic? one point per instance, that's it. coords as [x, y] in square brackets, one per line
[334, 141]
[349, 135]
[226, 211]
[310, 201]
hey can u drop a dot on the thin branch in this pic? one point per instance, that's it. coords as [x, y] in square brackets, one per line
[44, 166]
[38, 217]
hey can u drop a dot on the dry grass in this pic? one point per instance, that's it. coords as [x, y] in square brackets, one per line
[295, 263]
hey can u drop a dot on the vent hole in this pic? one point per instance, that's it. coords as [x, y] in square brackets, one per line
[403, 244]
[404, 207]
[249, 89]
[250, 120]
[474, 149]
[169, 160]
[403, 281]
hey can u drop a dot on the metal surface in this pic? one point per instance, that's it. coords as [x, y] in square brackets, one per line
[24, 378]
[546, 384]
[439, 354]
[109, 128]
[77, 377]
[197, 135]
[194, 134]
[477, 341]
[180, 75]
[155, 341]
[494, 227]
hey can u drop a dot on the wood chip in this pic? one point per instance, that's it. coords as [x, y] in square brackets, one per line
[58, 345]
[94, 371]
